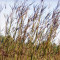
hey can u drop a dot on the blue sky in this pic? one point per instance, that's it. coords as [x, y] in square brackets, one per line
[50, 3]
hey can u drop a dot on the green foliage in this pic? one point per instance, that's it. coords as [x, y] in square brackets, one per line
[17, 50]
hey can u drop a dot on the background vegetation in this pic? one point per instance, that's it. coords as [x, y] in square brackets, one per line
[39, 45]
